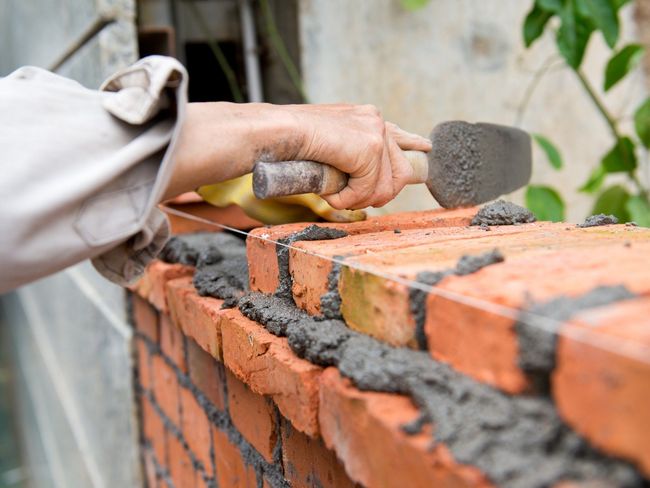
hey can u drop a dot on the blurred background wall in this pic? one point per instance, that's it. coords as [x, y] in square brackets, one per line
[452, 59]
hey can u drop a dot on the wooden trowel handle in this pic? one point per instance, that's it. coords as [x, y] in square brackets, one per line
[278, 179]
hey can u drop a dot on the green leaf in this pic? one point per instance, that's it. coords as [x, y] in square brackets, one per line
[619, 3]
[621, 157]
[412, 5]
[534, 24]
[642, 122]
[639, 210]
[573, 35]
[604, 16]
[551, 151]
[595, 180]
[613, 202]
[545, 203]
[554, 6]
[622, 63]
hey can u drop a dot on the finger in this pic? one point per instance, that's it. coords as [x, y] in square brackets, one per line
[406, 140]
[384, 188]
[402, 171]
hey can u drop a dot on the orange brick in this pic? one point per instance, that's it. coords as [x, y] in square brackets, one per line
[166, 390]
[483, 342]
[230, 467]
[601, 380]
[206, 374]
[196, 316]
[379, 306]
[307, 462]
[253, 415]
[365, 431]
[196, 429]
[144, 364]
[154, 430]
[172, 342]
[268, 366]
[145, 318]
[231, 216]
[261, 249]
[181, 469]
[151, 286]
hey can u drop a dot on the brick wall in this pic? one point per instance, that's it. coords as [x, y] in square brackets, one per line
[262, 365]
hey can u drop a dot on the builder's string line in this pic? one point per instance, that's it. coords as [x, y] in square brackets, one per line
[615, 345]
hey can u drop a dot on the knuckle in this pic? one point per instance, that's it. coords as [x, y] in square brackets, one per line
[371, 110]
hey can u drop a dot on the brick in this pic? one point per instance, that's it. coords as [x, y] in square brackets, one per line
[151, 286]
[307, 462]
[145, 318]
[166, 389]
[144, 365]
[181, 469]
[231, 216]
[232, 472]
[172, 342]
[600, 383]
[261, 250]
[154, 430]
[207, 374]
[374, 303]
[196, 429]
[198, 317]
[253, 415]
[478, 338]
[364, 430]
[268, 366]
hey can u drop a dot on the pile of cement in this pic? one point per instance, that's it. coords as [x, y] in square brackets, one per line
[502, 213]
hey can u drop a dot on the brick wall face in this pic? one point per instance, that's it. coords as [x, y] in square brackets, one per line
[229, 398]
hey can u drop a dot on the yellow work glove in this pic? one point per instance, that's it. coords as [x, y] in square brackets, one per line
[280, 210]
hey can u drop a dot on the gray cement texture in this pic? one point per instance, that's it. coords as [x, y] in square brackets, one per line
[502, 213]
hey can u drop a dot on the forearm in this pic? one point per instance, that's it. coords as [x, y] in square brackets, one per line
[221, 140]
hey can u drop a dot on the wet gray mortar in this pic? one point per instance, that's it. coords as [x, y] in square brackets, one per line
[537, 345]
[501, 212]
[598, 220]
[417, 298]
[503, 436]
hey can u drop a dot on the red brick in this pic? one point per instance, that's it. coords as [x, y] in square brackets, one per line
[166, 389]
[196, 316]
[601, 380]
[206, 374]
[365, 431]
[149, 468]
[261, 250]
[476, 334]
[144, 364]
[171, 342]
[253, 415]
[181, 469]
[145, 318]
[154, 430]
[375, 303]
[307, 462]
[268, 366]
[151, 286]
[232, 472]
[196, 428]
[231, 216]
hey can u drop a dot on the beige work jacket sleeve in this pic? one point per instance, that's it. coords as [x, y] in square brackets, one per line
[81, 171]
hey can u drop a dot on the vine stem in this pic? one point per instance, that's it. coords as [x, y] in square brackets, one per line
[281, 49]
[218, 54]
[610, 122]
[601, 108]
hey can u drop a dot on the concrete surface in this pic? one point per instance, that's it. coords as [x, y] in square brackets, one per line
[461, 59]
